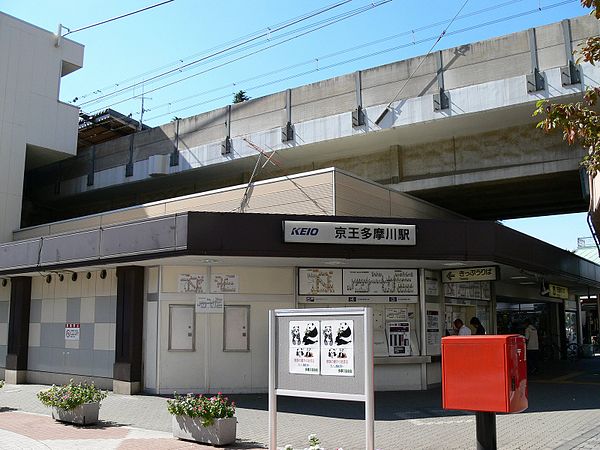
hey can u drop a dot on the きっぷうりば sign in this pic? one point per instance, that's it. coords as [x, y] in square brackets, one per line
[470, 274]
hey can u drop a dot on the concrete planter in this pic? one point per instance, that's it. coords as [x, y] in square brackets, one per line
[86, 414]
[221, 432]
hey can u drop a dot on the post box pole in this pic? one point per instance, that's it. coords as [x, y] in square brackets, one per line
[485, 423]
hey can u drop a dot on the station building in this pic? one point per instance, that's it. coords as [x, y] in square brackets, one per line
[172, 292]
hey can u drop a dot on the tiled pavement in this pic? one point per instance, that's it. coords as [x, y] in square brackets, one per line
[564, 414]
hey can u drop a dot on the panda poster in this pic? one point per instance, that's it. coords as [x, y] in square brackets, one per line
[337, 348]
[304, 347]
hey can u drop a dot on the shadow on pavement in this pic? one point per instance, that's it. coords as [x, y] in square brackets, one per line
[559, 386]
[7, 409]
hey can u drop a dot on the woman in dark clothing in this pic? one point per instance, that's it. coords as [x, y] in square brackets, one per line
[477, 324]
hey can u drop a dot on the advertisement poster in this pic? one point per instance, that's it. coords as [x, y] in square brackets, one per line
[304, 347]
[337, 348]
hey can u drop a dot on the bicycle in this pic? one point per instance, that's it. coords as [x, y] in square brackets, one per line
[574, 351]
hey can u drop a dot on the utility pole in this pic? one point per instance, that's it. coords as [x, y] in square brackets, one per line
[142, 111]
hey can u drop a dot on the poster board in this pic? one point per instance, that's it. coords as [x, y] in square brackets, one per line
[324, 334]
[322, 353]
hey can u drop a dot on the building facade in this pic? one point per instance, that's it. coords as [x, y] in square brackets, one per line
[172, 291]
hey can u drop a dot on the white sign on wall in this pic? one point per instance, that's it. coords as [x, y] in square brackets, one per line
[192, 282]
[209, 304]
[431, 287]
[337, 348]
[304, 347]
[224, 283]
[72, 331]
[358, 299]
[349, 233]
[380, 281]
[395, 314]
[320, 281]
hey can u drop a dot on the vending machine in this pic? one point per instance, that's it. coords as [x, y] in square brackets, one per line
[398, 337]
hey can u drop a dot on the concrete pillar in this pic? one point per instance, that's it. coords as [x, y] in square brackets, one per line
[396, 168]
[127, 371]
[18, 330]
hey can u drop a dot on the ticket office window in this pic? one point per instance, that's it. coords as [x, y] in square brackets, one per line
[236, 328]
[465, 312]
[395, 328]
[182, 328]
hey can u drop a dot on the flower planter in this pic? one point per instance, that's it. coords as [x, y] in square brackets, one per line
[86, 414]
[221, 432]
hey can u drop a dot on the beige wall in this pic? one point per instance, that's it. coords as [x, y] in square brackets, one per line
[30, 113]
[208, 368]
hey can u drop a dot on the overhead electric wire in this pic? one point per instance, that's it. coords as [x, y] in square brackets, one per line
[347, 50]
[347, 61]
[117, 17]
[344, 17]
[215, 48]
[218, 52]
[314, 27]
[443, 33]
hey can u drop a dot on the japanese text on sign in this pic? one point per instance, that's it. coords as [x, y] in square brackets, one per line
[349, 233]
[470, 274]
[72, 331]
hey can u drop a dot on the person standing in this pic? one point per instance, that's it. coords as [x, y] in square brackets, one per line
[476, 323]
[461, 329]
[533, 347]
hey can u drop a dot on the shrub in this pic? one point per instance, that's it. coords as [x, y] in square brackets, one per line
[1, 384]
[70, 396]
[206, 408]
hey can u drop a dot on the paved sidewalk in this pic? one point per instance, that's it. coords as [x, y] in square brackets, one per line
[564, 414]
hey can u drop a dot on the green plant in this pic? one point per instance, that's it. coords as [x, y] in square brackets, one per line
[240, 97]
[71, 395]
[206, 408]
[1, 384]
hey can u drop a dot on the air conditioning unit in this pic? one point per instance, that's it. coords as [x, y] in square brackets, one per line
[158, 165]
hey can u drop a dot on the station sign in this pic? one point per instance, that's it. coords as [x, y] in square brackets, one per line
[554, 291]
[489, 273]
[348, 233]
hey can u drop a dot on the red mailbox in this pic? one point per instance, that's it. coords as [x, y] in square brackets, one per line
[484, 373]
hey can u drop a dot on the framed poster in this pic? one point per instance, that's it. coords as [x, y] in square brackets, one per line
[337, 348]
[304, 346]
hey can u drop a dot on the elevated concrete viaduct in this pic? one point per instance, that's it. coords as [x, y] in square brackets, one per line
[461, 136]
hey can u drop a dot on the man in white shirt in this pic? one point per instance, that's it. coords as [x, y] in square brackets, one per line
[533, 346]
[461, 329]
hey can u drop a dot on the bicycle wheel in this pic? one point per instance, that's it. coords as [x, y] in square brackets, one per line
[572, 351]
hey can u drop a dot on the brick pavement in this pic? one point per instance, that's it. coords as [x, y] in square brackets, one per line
[563, 414]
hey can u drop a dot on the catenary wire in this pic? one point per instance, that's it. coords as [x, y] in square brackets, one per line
[442, 34]
[117, 17]
[347, 61]
[341, 52]
[360, 11]
[218, 52]
[212, 49]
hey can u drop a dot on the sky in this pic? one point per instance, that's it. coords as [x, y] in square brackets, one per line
[190, 56]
